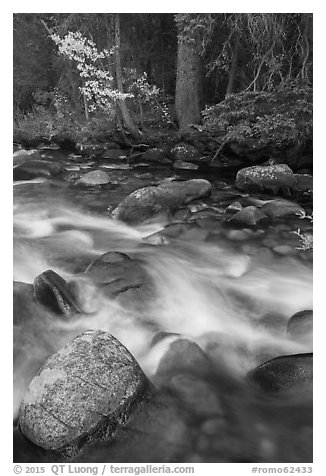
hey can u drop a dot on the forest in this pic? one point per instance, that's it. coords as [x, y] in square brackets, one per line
[163, 237]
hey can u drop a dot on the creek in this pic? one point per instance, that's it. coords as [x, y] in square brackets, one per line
[227, 289]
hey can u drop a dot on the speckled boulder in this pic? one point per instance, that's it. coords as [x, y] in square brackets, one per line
[284, 373]
[147, 202]
[270, 179]
[95, 177]
[185, 152]
[82, 393]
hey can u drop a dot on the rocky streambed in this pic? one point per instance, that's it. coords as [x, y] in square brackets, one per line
[162, 312]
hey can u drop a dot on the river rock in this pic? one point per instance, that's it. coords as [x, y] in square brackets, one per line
[198, 395]
[300, 325]
[114, 154]
[155, 156]
[164, 199]
[82, 394]
[23, 155]
[185, 152]
[121, 277]
[182, 165]
[281, 208]
[274, 179]
[248, 216]
[95, 177]
[182, 356]
[53, 292]
[284, 373]
[36, 168]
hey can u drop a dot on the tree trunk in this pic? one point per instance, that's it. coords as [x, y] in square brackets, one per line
[233, 69]
[188, 85]
[126, 117]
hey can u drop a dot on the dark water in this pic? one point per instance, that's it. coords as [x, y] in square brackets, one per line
[216, 285]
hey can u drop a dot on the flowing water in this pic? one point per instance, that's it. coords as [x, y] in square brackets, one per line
[230, 291]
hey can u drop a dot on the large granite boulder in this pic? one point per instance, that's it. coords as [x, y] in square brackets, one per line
[164, 199]
[284, 373]
[276, 179]
[82, 394]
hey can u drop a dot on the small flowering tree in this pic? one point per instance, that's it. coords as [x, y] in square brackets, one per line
[97, 83]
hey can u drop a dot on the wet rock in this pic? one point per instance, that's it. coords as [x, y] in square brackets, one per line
[185, 153]
[96, 177]
[53, 292]
[233, 207]
[182, 356]
[182, 165]
[156, 156]
[114, 154]
[237, 235]
[121, 277]
[199, 396]
[164, 199]
[36, 168]
[23, 155]
[284, 373]
[280, 208]
[248, 216]
[82, 394]
[284, 250]
[300, 325]
[276, 179]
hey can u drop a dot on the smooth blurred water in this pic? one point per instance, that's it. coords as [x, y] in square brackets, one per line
[213, 286]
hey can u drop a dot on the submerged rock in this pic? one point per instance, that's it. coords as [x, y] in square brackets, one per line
[183, 356]
[281, 208]
[96, 177]
[36, 168]
[248, 216]
[82, 394]
[51, 290]
[121, 277]
[300, 325]
[270, 179]
[284, 373]
[164, 199]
